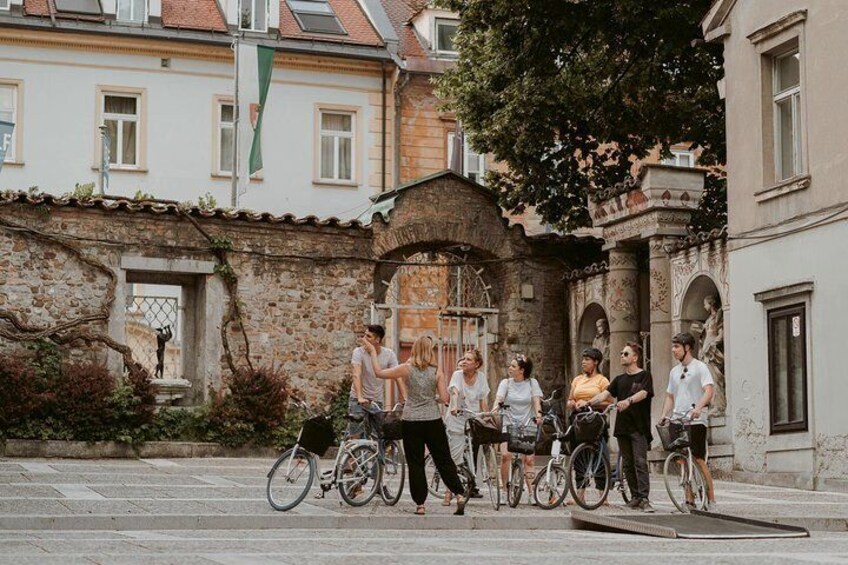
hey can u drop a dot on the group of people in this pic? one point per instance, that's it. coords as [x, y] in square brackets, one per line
[424, 389]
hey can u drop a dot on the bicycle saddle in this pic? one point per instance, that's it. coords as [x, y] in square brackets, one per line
[355, 417]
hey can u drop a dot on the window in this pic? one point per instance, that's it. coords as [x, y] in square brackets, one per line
[316, 16]
[787, 349]
[4, 4]
[473, 164]
[121, 118]
[87, 7]
[337, 146]
[786, 91]
[9, 113]
[253, 15]
[445, 33]
[132, 10]
[680, 159]
[225, 138]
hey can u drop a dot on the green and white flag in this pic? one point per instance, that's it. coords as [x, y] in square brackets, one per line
[255, 65]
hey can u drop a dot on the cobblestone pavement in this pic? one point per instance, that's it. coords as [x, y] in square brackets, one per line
[215, 511]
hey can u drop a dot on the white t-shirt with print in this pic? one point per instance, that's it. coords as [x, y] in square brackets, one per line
[688, 387]
[519, 397]
[469, 398]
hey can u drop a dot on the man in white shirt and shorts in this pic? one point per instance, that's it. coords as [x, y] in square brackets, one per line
[690, 391]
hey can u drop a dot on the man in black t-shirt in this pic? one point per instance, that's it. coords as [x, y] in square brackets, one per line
[633, 390]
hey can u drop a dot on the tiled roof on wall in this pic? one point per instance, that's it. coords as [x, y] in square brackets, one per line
[193, 14]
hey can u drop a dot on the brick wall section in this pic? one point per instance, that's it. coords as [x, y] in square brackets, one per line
[423, 132]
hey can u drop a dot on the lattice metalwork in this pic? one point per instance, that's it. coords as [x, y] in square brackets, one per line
[429, 281]
[147, 316]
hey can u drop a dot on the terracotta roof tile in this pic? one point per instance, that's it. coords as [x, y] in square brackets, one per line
[399, 13]
[193, 14]
[353, 19]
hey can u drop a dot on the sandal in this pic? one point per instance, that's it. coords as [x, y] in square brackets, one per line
[447, 500]
[419, 511]
[460, 506]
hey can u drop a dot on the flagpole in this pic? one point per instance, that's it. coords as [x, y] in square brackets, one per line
[235, 165]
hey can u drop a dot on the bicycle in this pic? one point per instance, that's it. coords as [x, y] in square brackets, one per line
[551, 485]
[357, 470]
[590, 460]
[522, 440]
[488, 461]
[680, 473]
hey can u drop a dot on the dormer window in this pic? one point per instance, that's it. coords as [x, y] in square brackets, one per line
[444, 37]
[253, 15]
[316, 16]
[132, 11]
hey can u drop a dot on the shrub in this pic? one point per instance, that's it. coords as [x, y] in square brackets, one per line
[83, 401]
[249, 408]
[18, 397]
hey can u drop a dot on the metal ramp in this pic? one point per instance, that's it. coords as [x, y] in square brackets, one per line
[697, 525]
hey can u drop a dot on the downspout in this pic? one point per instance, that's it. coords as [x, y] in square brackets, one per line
[383, 132]
[399, 83]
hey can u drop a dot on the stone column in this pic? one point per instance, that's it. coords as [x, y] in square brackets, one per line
[660, 310]
[622, 302]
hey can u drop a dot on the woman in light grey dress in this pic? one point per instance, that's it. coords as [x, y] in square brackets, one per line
[422, 422]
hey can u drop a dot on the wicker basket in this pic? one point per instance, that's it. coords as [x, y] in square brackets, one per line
[522, 439]
[317, 435]
[674, 436]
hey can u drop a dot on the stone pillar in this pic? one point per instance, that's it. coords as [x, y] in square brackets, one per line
[660, 310]
[622, 302]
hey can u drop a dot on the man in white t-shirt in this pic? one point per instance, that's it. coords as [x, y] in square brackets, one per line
[690, 391]
[366, 388]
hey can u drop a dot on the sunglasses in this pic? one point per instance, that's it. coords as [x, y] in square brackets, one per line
[685, 370]
[521, 358]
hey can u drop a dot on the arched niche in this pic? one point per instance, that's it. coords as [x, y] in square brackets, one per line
[692, 310]
[587, 331]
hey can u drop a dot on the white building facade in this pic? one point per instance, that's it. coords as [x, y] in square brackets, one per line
[165, 97]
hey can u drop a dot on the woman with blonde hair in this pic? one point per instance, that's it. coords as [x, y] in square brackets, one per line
[422, 421]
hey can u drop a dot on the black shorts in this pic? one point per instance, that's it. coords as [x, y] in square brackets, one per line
[698, 440]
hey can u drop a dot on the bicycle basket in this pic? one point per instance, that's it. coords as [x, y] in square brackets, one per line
[484, 431]
[674, 436]
[588, 427]
[392, 425]
[317, 435]
[522, 439]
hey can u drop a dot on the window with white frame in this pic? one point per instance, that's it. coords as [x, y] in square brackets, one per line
[4, 4]
[225, 138]
[337, 151]
[786, 92]
[680, 158]
[445, 33]
[121, 113]
[253, 15]
[473, 163]
[132, 10]
[9, 113]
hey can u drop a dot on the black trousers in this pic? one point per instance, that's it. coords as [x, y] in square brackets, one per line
[432, 434]
[634, 459]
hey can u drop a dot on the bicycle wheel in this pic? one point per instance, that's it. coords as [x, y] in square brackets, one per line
[588, 465]
[685, 493]
[550, 487]
[290, 479]
[515, 488]
[490, 474]
[621, 480]
[467, 480]
[394, 473]
[434, 481]
[358, 475]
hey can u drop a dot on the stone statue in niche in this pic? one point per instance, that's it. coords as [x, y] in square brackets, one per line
[711, 350]
[163, 336]
[601, 342]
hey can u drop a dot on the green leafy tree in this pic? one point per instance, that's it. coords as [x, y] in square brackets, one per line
[568, 94]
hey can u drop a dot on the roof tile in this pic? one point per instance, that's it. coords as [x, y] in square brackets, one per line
[193, 14]
[400, 12]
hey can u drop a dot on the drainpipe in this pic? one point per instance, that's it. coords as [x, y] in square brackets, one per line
[383, 132]
[400, 83]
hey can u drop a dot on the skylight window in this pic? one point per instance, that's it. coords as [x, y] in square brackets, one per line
[87, 7]
[316, 16]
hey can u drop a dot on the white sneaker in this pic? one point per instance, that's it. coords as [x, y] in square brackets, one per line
[713, 507]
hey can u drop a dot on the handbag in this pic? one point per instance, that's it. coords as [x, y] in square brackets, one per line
[484, 430]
